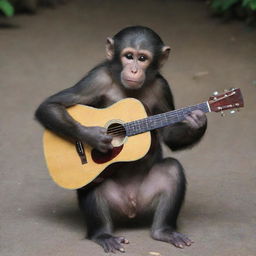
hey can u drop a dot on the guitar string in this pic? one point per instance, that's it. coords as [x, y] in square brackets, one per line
[166, 115]
[136, 125]
[172, 114]
[132, 129]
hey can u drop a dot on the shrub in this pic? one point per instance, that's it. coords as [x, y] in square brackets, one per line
[243, 9]
[6, 8]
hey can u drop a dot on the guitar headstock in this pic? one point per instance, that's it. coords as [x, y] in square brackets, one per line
[231, 99]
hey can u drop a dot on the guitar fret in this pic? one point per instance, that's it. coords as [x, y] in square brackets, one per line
[161, 120]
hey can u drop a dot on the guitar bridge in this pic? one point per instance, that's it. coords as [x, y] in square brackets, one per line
[80, 152]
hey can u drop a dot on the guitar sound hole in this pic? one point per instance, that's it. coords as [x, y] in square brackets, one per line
[118, 132]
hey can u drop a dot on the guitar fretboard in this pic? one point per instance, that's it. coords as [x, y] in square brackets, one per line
[161, 120]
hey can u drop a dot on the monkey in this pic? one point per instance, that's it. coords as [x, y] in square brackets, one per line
[153, 187]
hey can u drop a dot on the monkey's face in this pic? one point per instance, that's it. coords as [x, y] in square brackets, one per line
[135, 56]
[134, 63]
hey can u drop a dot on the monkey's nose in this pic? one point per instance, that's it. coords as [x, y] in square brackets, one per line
[134, 70]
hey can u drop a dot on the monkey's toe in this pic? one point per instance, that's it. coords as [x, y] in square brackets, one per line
[122, 240]
[167, 235]
[111, 243]
[179, 240]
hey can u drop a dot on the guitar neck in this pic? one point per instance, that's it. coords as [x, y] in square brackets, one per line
[161, 120]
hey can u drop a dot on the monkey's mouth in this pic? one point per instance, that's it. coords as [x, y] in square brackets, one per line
[133, 83]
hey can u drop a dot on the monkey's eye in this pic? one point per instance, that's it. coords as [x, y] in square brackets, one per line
[143, 58]
[129, 56]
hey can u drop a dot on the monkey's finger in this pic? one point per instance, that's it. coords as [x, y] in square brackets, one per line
[108, 146]
[198, 112]
[197, 120]
[107, 138]
[102, 130]
[191, 121]
[199, 116]
[105, 149]
[195, 117]
[102, 148]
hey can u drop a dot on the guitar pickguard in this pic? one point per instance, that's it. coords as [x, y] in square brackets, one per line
[101, 158]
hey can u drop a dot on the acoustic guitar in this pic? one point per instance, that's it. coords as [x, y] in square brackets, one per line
[74, 165]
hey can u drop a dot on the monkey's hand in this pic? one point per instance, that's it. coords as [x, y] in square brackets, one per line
[187, 133]
[96, 137]
[196, 120]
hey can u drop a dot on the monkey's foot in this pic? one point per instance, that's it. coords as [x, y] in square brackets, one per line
[111, 243]
[168, 235]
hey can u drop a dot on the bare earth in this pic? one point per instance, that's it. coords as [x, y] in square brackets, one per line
[53, 50]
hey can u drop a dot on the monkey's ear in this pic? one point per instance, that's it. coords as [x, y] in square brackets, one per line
[165, 54]
[110, 48]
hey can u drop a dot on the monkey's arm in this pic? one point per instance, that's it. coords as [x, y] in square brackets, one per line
[183, 134]
[52, 112]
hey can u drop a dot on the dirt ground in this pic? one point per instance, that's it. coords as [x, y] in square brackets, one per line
[53, 50]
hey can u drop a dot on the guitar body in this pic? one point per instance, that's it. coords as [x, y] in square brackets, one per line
[63, 161]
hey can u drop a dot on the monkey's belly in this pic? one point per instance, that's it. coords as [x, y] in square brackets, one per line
[123, 189]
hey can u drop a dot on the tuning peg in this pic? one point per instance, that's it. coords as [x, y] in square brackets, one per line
[222, 113]
[215, 93]
[232, 112]
[226, 90]
[232, 89]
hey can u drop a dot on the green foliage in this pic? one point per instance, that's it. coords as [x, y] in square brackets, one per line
[241, 9]
[6, 8]
[251, 4]
[224, 5]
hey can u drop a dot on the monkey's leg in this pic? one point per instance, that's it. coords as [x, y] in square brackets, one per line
[98, 220]
[165, 188]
